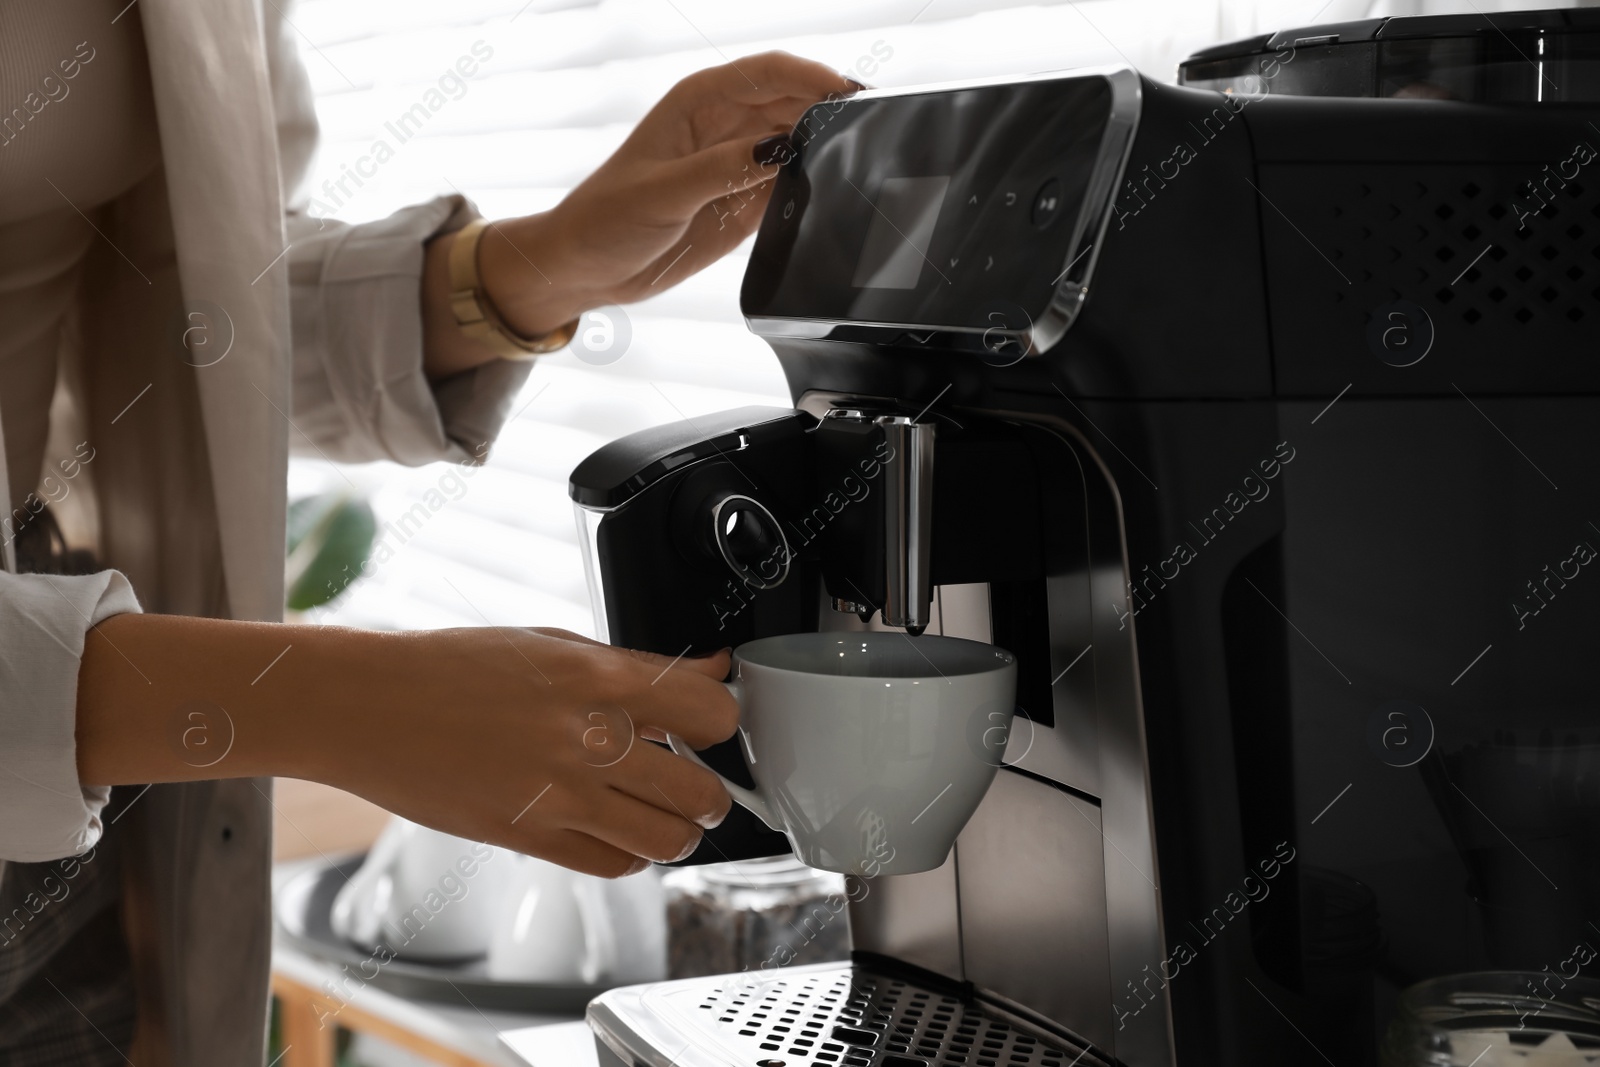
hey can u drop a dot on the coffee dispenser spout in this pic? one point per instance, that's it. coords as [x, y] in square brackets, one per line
[908, 531]
[878, 559]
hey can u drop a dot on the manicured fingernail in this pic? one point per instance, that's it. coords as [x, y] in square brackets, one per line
[773, 151]
[856, 86]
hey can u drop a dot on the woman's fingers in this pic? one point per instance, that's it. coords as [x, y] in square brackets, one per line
[651, 804]
[761, 79]
[639, 828]
[633, 693]
[712, 665]
[735, 99]
[686, 185]
[720, 226]
[585, 802]
[715, 120]
[715, 230]
[687, 703]
[644, 693]
[659, 777]
[579, 851]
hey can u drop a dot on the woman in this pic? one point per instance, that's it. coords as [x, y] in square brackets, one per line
[149, 173]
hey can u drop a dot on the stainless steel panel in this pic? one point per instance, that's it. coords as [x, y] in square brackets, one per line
[954, 611]
[1097, 747]
[1068, 752]
[1072, 665]
[963, 611]
[911, 917]
[1135, 928]
[1033, 904]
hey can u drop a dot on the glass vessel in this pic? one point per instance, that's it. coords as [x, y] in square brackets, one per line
[753, 914]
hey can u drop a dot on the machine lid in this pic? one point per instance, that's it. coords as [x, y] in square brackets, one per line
[1537, 57]
[612, 474]
[1326, 33]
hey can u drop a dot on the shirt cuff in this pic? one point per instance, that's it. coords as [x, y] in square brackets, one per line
[45, 812]
[360, 391]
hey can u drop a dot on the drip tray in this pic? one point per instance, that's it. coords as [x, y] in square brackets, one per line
[824, 1015]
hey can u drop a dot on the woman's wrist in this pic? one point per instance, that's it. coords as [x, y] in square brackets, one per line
[527, 268]
[372, 686]
[328, 706]
[531, 271]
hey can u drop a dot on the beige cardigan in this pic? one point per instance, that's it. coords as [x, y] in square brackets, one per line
[190, 480]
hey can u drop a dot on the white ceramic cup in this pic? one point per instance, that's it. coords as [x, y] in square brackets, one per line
[553, 928]
[423, 894]
[560, 926]
[868, 750]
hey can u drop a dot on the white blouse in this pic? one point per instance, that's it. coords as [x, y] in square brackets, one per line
[78, 131]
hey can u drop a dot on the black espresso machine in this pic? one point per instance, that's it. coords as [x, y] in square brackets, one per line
[1257, 417]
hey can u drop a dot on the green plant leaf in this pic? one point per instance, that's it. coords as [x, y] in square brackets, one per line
[330, 551]
[305, 513]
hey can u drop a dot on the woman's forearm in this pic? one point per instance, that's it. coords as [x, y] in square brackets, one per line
[461, 730]
[165, 698]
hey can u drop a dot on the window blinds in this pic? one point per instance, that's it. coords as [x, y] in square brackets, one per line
[555, 86]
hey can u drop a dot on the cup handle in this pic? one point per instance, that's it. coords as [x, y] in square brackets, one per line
[747, 798]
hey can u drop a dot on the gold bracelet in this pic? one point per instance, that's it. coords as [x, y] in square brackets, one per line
[476, 314]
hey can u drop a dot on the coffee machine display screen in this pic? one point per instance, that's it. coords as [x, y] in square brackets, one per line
[929, 208]
[897, 238]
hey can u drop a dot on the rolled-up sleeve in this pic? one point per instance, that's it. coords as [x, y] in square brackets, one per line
[359, 389]
[356, 308]
[45, 812]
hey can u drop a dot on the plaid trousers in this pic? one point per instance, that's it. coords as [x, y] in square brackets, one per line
[66, 982]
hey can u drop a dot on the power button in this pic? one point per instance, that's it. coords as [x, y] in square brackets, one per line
[1046, 204]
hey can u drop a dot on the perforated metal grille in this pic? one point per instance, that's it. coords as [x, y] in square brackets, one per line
[852, 1018]
[1503, 259]
[1511, 253]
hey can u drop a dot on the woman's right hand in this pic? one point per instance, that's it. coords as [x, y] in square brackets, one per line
[535, 740]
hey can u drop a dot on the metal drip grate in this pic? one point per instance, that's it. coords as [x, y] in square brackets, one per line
[847, 1017]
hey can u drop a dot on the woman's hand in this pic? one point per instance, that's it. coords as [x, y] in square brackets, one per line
[689, 183]
[536, 740]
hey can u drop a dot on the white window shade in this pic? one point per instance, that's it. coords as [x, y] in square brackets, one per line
[558, 85]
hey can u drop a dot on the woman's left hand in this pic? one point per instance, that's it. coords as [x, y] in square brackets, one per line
[689, 183]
